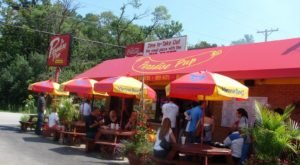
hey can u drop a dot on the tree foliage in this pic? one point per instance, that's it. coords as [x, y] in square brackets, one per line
[202, 45]
[26, 26]
[248, 38]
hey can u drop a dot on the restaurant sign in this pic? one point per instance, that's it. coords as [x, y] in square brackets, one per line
[168, 45]
[150, 65]
[134, 50]
[59, 50]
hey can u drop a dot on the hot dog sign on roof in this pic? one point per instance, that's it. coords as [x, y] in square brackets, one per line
[59, 50]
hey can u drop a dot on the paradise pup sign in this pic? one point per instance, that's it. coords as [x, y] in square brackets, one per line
[59, 50]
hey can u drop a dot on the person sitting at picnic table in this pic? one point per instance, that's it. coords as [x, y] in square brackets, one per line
[235, 142]
[241, 124]
[92, 124]
[53, 124]
[165, 131]
[112, 119]
[132, 121]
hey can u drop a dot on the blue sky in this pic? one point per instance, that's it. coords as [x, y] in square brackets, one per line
[216, 21]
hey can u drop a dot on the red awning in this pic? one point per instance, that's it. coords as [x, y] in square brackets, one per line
[275, 59]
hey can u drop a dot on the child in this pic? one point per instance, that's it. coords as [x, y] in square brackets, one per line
[235, 142]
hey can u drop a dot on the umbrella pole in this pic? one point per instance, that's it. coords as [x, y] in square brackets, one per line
[122, 109]
[203, 115]
[93, 98]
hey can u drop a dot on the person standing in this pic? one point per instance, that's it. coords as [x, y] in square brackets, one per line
[194, 116]
[85, 109]
[170, 110]
[41, 109]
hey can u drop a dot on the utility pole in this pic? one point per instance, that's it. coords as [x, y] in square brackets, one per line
[268, 32]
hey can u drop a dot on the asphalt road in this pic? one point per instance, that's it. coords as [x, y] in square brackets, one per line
[18, 148]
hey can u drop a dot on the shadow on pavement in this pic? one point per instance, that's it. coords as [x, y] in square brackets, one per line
[66, 150]
[9, 128]
[104, 162]
[38, 140]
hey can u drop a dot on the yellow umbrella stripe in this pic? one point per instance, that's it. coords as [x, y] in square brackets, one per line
[133, 87]
[229, 87]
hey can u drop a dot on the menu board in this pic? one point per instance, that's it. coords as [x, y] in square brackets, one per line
[229, 109]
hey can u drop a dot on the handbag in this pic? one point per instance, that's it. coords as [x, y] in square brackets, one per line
[165, 144]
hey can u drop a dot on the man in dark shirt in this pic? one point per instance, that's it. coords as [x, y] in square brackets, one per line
[92, 124]
[41, 108]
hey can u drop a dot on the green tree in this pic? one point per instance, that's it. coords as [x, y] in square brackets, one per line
[202, 45]
[246, 40]
[27, 25]
[165, 31]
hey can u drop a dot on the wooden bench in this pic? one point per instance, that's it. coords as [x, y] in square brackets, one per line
[107, 143]
[113, 146]
[75, 136]
[159, 161]
[28, 124]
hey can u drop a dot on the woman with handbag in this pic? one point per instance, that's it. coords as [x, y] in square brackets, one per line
[164, 138]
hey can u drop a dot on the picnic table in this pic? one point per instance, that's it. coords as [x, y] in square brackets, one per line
[76, 133]
[198, 149]
[117, 135]
[29, 123]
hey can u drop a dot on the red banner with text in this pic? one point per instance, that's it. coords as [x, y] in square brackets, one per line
[59, 50]
[134, 50]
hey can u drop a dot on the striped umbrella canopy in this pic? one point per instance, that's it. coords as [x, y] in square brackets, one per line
[47, 86]
[205, 85]
[124, 86]
[81, 86]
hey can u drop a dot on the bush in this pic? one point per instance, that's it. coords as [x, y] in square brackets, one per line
[66, 110]
[29, 106]
[274, 135]
[24, 118]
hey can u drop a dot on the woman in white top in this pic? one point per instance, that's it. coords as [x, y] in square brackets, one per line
[53, 124]
[164, 131]
[241, 124]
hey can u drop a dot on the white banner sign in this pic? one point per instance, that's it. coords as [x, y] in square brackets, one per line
[163, 46]
[230, 107]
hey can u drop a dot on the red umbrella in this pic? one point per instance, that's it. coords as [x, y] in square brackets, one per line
[47, 86]
[124, 86]
[206, 86]
[81, 86]
[212, 86]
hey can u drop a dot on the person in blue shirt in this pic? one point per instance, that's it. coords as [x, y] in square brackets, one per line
[194, 116]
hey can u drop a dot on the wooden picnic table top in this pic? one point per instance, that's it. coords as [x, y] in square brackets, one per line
[204, 150]
[116, 132]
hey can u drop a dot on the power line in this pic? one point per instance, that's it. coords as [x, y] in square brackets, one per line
[82, 39]
[268, 32]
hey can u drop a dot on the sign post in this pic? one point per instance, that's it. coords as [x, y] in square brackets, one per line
[59, 52]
